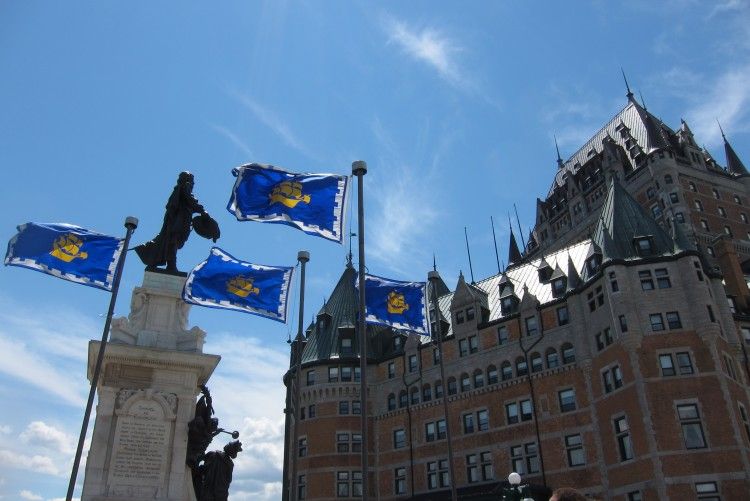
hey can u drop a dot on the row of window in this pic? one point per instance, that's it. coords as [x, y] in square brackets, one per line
[335, 374]
[479, 378]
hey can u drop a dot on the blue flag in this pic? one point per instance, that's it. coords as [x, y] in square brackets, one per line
[314, 203]
[400, 305]
[221, 281]
[66, 251]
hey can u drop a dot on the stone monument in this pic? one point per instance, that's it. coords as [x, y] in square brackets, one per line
[151, 374]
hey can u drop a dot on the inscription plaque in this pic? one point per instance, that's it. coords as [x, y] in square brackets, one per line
[141, 445]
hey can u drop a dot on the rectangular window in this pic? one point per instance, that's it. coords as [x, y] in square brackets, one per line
[311, 377]
[673, 320]
[301, 487]
[437, 474]
[526, 410]
[562, 315]
[622, 435]
[472, 470]
[412, 363]
[667, 365]
[356, 407]
[391, 370]
[524, 459]
[311, 411]
[607, 382]
[531, 326]
[647, 283]
[487, 471]
[574, 449]
[473, 344]
[399, 439]
[657, 322]
[469, 313]
[346, 346]
[662, 278]
[707, 491]
[483, 420]
[511, 413]
[623, 324]
[463, 347]
[342, 442]
[346, 373]
[302, 447]
[684, 363]
[567, 400]
[430, 432]
[357, 374]
[459, 317]
[435, 356]
[468, 422]
[502, 334]
[634, 496]
[692, 429]
[399, 484]
[356, 442]
[333, 374]
[344, 407]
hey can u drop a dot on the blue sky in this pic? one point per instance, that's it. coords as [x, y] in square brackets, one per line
[453, 106]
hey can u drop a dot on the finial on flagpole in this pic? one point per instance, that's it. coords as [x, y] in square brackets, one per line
[629, 94]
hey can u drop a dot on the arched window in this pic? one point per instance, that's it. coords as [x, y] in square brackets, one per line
[478, 378]
[536, 362]
[491, 374]
[391, 402]
[552, 359]
[414, 396]
[402, 399]
[438, 389]
[522, 367]
[452, 388]
[506, 371]
[568, 353]
[465, 382]
[426, 393]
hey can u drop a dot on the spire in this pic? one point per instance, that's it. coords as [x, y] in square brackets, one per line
[514, 255]
[734, 164]
[629, 95]
[559, 160]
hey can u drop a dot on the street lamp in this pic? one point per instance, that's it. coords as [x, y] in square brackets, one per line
[516, 491]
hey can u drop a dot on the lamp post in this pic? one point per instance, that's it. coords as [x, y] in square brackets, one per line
[516, 491]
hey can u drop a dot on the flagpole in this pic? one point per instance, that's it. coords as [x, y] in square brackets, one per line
[434, 276]
[359, 169]
[131, 223]
[303, 257]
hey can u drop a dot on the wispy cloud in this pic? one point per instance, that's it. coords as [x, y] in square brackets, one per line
[234, 139]
[41, 434]
[728, 6]
[431, 47]
[727, 100]
[36, 463]
[271, 120]
[30, 495]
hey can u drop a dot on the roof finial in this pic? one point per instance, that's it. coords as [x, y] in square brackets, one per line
[722, 131]
[629, 94]
[557, 148]
[434, 262]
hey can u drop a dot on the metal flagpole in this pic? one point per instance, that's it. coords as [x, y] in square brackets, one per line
[433, 277]
[303, 257]
[359, 169]
[131, 223]
[497, 256]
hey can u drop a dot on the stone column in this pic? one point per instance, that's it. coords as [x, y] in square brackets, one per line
[147, 392]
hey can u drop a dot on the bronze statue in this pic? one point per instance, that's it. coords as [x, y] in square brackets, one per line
[216, 472]
[178, 219]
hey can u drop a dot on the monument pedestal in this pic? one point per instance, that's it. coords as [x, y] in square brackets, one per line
[147, 390]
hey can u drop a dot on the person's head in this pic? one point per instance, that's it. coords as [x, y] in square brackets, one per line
[567, 494]
[233, 448]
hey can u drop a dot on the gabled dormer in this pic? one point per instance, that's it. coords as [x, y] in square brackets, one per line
[469, 305]
[528, 309]
[508, 299]
[544, 271]
[558, 281]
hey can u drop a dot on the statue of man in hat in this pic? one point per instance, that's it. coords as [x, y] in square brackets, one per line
[178, 221]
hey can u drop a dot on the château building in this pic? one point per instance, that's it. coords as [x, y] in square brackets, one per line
[610, 355]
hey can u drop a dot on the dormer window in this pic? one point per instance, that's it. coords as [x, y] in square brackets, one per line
[460, 317]
[544, 272]
[509, 304]
[593, 263]
[558, 287]
[692, 187]
[644, 245]
[397, 343]
[346, 346]
[470, 313]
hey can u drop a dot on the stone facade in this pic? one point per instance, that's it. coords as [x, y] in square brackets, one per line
[147, 391]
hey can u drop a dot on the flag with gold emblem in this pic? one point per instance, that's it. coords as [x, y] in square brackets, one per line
[400, 305]
[314, 203]
[66, 251]
[222, 281]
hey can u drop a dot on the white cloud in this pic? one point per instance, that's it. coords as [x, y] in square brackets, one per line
[5, 429]
[30, 495]
[36, 463]
[272, 121]
[42, 434]
[728, 6]
[234, 139]
[727, 100]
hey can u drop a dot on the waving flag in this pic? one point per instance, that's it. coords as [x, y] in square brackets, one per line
[400, 305]
[66, 251]
[314, 203]
[221, 281]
